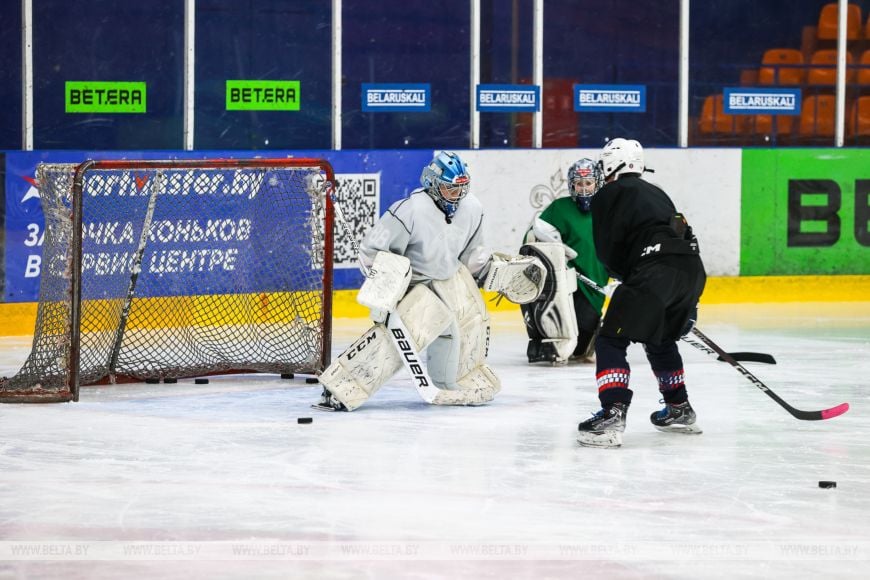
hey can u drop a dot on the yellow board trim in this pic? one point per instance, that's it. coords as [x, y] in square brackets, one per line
[18, 318]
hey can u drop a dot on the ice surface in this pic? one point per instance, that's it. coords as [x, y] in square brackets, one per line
[219, 480]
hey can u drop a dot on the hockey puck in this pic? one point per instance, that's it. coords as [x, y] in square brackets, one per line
[151, 381]
[304, 420]
[200, 381]
[311, 380]
[170, 380]
[827, 484]
[286, 375]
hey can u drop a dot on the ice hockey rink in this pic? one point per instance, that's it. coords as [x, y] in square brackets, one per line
[220, 481]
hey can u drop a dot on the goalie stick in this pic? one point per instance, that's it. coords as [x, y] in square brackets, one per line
[396, 328]
[759, 357]
[156, 185]
[714, 349]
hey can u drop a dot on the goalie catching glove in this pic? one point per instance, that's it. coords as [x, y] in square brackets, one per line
[520, 279]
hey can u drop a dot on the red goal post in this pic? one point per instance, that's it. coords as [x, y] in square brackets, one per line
[170, 269]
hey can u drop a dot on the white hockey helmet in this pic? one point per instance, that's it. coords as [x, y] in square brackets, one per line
[620, 156]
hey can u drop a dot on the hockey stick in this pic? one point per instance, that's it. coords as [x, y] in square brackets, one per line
[760, 357]
[712, 348]
[397, 330]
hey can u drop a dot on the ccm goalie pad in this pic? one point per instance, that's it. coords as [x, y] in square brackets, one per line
[458, 324]
[520, 279]
[552, 314]
[373, 359]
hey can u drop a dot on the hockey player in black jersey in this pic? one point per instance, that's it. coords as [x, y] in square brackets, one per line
[645, 243]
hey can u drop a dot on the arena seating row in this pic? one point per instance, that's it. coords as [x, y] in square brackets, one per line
[786, 67]
[813, 69]
[815, 124]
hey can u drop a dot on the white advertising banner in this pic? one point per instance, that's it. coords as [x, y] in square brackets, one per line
[516, 185]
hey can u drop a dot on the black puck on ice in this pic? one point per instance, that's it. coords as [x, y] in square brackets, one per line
[304, 420]
[286, 375]
[827, 484]
[152, 381]
[200, 381]
[170, 380]
[311, 380]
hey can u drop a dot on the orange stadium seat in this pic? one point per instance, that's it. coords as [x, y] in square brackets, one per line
[761, 126]
[817, 117]
[823, 68]
[748, 77]
[827, 28]
[714, 120]
[863, 77]
[781, 66]
[859, 118]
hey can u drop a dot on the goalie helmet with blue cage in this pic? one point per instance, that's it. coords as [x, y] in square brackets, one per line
[584, 181]
[446, 180]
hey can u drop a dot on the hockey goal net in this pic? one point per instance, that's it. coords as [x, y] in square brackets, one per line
[176, 269]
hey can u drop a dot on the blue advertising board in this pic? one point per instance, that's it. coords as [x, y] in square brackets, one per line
[367, 183]
[610, 98]
[508, 98]
[393, 98]
[754, 100]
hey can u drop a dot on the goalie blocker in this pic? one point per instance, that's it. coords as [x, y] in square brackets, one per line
[447, 317]
[551, 320]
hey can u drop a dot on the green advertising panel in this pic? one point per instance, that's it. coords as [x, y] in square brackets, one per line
[262, 95]
[805, 211]
[105, 97]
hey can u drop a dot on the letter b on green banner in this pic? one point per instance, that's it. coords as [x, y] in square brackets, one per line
[262, 95]
[805, 211]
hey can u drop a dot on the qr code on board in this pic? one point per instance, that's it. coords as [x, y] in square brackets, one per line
[359, 196]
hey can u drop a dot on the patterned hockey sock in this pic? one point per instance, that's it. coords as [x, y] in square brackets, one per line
[613, 386]
[672, 386]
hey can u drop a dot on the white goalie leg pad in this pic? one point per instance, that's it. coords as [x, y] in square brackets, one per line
[456, 359]
[373, 359]
[553, 313]
[520, 279]
[466, 343]
[390, 275]
[475, 388]
[361, 369]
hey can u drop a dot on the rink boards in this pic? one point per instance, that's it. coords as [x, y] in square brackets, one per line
[774, 224]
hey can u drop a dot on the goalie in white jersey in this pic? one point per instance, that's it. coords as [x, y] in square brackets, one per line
[424, 261]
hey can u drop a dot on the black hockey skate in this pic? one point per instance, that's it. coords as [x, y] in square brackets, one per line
[676, 419]
[605, 428]
[327, 403]
[539, 351]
